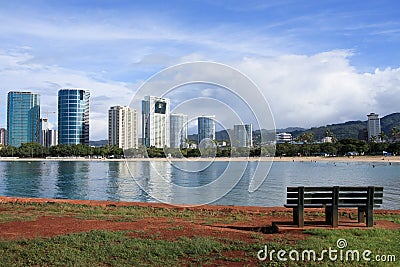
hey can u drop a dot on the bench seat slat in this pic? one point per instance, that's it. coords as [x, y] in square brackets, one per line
[329, 195]
[328, 205]
[360, 201]
[329, 189]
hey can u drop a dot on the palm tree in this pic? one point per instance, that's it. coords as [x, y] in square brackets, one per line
[395, 133]
[328, 133]
[382, 136]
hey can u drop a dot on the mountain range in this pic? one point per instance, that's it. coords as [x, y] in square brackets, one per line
[349, 129]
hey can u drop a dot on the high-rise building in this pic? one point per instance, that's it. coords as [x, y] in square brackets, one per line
[3, 137]
[178, 130]
[242, 135]
[44, 127]
[205, 128]
[23, 114]
[123, 127]
[374, 126]
[48, 137]
[51, 138]
[73, 116]
[155, 121]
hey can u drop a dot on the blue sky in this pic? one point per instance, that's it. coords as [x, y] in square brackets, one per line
[317, 62]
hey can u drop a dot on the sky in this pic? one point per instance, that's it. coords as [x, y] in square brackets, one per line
[315, 62]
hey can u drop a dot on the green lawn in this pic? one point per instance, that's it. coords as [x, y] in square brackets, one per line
[125, 248]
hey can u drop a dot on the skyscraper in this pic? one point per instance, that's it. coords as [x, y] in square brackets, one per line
[23, 114]
[48, 137]
[73, 116]
[44, 126]
[242, 135]
[122, 127]
[205, 128]
[3, 137]
[374, 126]
[178, 130]
[51, 138]
[155, 121]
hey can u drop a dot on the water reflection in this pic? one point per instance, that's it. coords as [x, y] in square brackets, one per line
[114, 181]
[72, 179]
[23, 179]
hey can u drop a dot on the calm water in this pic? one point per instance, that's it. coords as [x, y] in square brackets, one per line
[113, 180]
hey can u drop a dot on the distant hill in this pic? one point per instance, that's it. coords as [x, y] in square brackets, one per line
[389, 122]
[98, 143]
[290, 129]
[351, 129]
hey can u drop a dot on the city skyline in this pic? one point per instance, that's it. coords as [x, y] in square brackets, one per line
[316, 62]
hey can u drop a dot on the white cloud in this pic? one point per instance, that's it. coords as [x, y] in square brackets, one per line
[302, 90]
[17, 73]
[323, 88]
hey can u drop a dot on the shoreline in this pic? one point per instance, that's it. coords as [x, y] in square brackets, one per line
[372, 159]
[206, 207]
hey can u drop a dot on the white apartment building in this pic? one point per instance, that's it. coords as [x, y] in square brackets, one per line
[156, 121]
[282, 138]
[123, 127]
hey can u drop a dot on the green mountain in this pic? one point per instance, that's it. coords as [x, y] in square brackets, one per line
[352, 129]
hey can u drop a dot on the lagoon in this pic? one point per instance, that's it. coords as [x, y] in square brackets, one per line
[189, 182]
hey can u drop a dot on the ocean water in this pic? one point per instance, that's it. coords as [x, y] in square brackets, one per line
[191, 182]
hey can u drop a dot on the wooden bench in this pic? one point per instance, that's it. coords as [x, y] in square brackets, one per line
[333, 198]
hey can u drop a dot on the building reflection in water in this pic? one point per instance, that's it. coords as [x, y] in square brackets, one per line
[121, 186]
[23, 179]
[72, 180]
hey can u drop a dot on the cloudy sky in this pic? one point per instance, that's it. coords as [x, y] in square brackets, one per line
[316, 62]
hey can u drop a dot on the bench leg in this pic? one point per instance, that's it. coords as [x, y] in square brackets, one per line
[328, 215]
[334, 217]
[335, 207]
[298, 216]
[361, 214]
[370, 206]
[370, 216]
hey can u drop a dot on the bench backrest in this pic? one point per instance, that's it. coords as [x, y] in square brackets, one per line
[347, 196]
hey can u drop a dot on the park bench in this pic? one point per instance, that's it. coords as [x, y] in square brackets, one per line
[333, 198]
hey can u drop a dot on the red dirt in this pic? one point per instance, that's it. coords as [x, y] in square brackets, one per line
[162, 228]
[172, 228]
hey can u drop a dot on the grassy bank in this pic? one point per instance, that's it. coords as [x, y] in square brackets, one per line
[148, 236]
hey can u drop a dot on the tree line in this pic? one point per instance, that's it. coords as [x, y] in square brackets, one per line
[342, 147]
[36, 150]
[336, 148]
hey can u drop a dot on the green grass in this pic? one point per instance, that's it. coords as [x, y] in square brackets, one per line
[30, 211]
[389, 217]
[105, 248]
[141, 248]
[379, 241]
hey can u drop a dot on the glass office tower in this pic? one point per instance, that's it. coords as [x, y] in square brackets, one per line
[242, 135]
[205, 128]
[23, 118]
[73, 116]
[178, 130]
